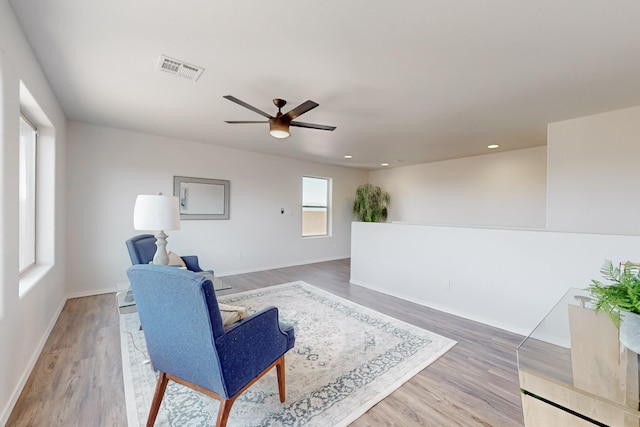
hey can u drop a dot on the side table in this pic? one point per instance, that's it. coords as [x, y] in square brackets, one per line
[574, 372]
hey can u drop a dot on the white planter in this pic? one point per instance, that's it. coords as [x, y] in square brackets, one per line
[630, 331]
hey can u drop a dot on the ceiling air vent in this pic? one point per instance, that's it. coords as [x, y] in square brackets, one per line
[179, 68]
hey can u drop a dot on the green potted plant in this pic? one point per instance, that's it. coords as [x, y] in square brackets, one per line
[620, 299]
[371, 203]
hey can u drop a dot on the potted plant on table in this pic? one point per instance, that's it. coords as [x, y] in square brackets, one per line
[371, 203]
[620, 299]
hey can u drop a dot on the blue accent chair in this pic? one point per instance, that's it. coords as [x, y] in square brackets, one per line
[188, 343]
[142, 248]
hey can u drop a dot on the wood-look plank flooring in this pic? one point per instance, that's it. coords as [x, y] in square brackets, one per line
[77, 380]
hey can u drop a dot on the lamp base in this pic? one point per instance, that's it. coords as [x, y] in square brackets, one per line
[161, 257]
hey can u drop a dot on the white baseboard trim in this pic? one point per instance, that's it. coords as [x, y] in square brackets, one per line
[481, 319]
[6, 411]
[224, 273]
[273, 267]
[91, 292]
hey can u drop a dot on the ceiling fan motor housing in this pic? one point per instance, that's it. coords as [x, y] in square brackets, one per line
[279, 127]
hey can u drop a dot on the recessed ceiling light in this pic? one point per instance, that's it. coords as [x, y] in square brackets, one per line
[348, 156]
[384, 164]
[492, 146]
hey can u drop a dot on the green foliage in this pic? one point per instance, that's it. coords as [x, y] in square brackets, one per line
[371, 203]
[622, 293]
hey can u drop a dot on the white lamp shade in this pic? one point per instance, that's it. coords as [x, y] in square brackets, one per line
[156, 212]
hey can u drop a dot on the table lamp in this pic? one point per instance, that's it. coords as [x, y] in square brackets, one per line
[157, 213]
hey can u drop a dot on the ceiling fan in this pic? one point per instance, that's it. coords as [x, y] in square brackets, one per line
[279, 125]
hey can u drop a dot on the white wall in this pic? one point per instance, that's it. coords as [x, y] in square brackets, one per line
[506, 278]
[499, 189]
[108, 168]
[25, 321]
[593, 173]
[509, 278]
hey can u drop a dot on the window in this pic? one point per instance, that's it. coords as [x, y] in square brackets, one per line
[315, 206]
[36, 193]
[27, 194]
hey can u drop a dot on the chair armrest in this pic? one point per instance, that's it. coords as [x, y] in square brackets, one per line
[191, 261]
[249, 346]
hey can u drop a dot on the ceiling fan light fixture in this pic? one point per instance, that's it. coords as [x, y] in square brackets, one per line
[280, 134]
[279, 125]
[278, 129]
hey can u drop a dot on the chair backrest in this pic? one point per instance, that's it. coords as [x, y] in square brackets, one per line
[180, 318]
[141, 248]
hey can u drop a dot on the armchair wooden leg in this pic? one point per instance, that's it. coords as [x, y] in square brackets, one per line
[161, 386]
[225, 405]
[224, 411]
[281, 383]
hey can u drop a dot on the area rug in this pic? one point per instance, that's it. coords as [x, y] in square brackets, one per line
[346, 359]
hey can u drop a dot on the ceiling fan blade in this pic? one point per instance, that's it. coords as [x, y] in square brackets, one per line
[245, 105]
[311, 126]
[301, 109]
[235, 122]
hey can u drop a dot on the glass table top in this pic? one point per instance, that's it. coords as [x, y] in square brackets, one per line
[577, 349]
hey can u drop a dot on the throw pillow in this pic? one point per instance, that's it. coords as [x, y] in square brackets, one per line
[175, 259]
[232, 314]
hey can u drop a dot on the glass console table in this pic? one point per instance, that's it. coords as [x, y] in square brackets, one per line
[574, 372]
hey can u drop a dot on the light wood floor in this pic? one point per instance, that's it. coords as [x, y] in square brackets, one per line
[78, 379]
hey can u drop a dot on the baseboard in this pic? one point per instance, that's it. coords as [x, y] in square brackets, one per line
[480, 319]
[222, 274]
[273, 267]
[110, 290]
[6, 411]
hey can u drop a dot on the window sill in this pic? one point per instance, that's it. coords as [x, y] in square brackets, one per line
[32, 277]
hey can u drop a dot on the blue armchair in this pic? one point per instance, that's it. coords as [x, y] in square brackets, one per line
[143, 247]
[188, 343]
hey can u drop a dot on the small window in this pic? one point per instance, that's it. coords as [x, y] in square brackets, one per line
[315, 206]
[27, 194]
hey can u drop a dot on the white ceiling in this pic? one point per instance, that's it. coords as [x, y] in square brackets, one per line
[405, 82]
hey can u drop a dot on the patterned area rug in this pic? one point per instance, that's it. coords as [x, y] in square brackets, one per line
[346, 359]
